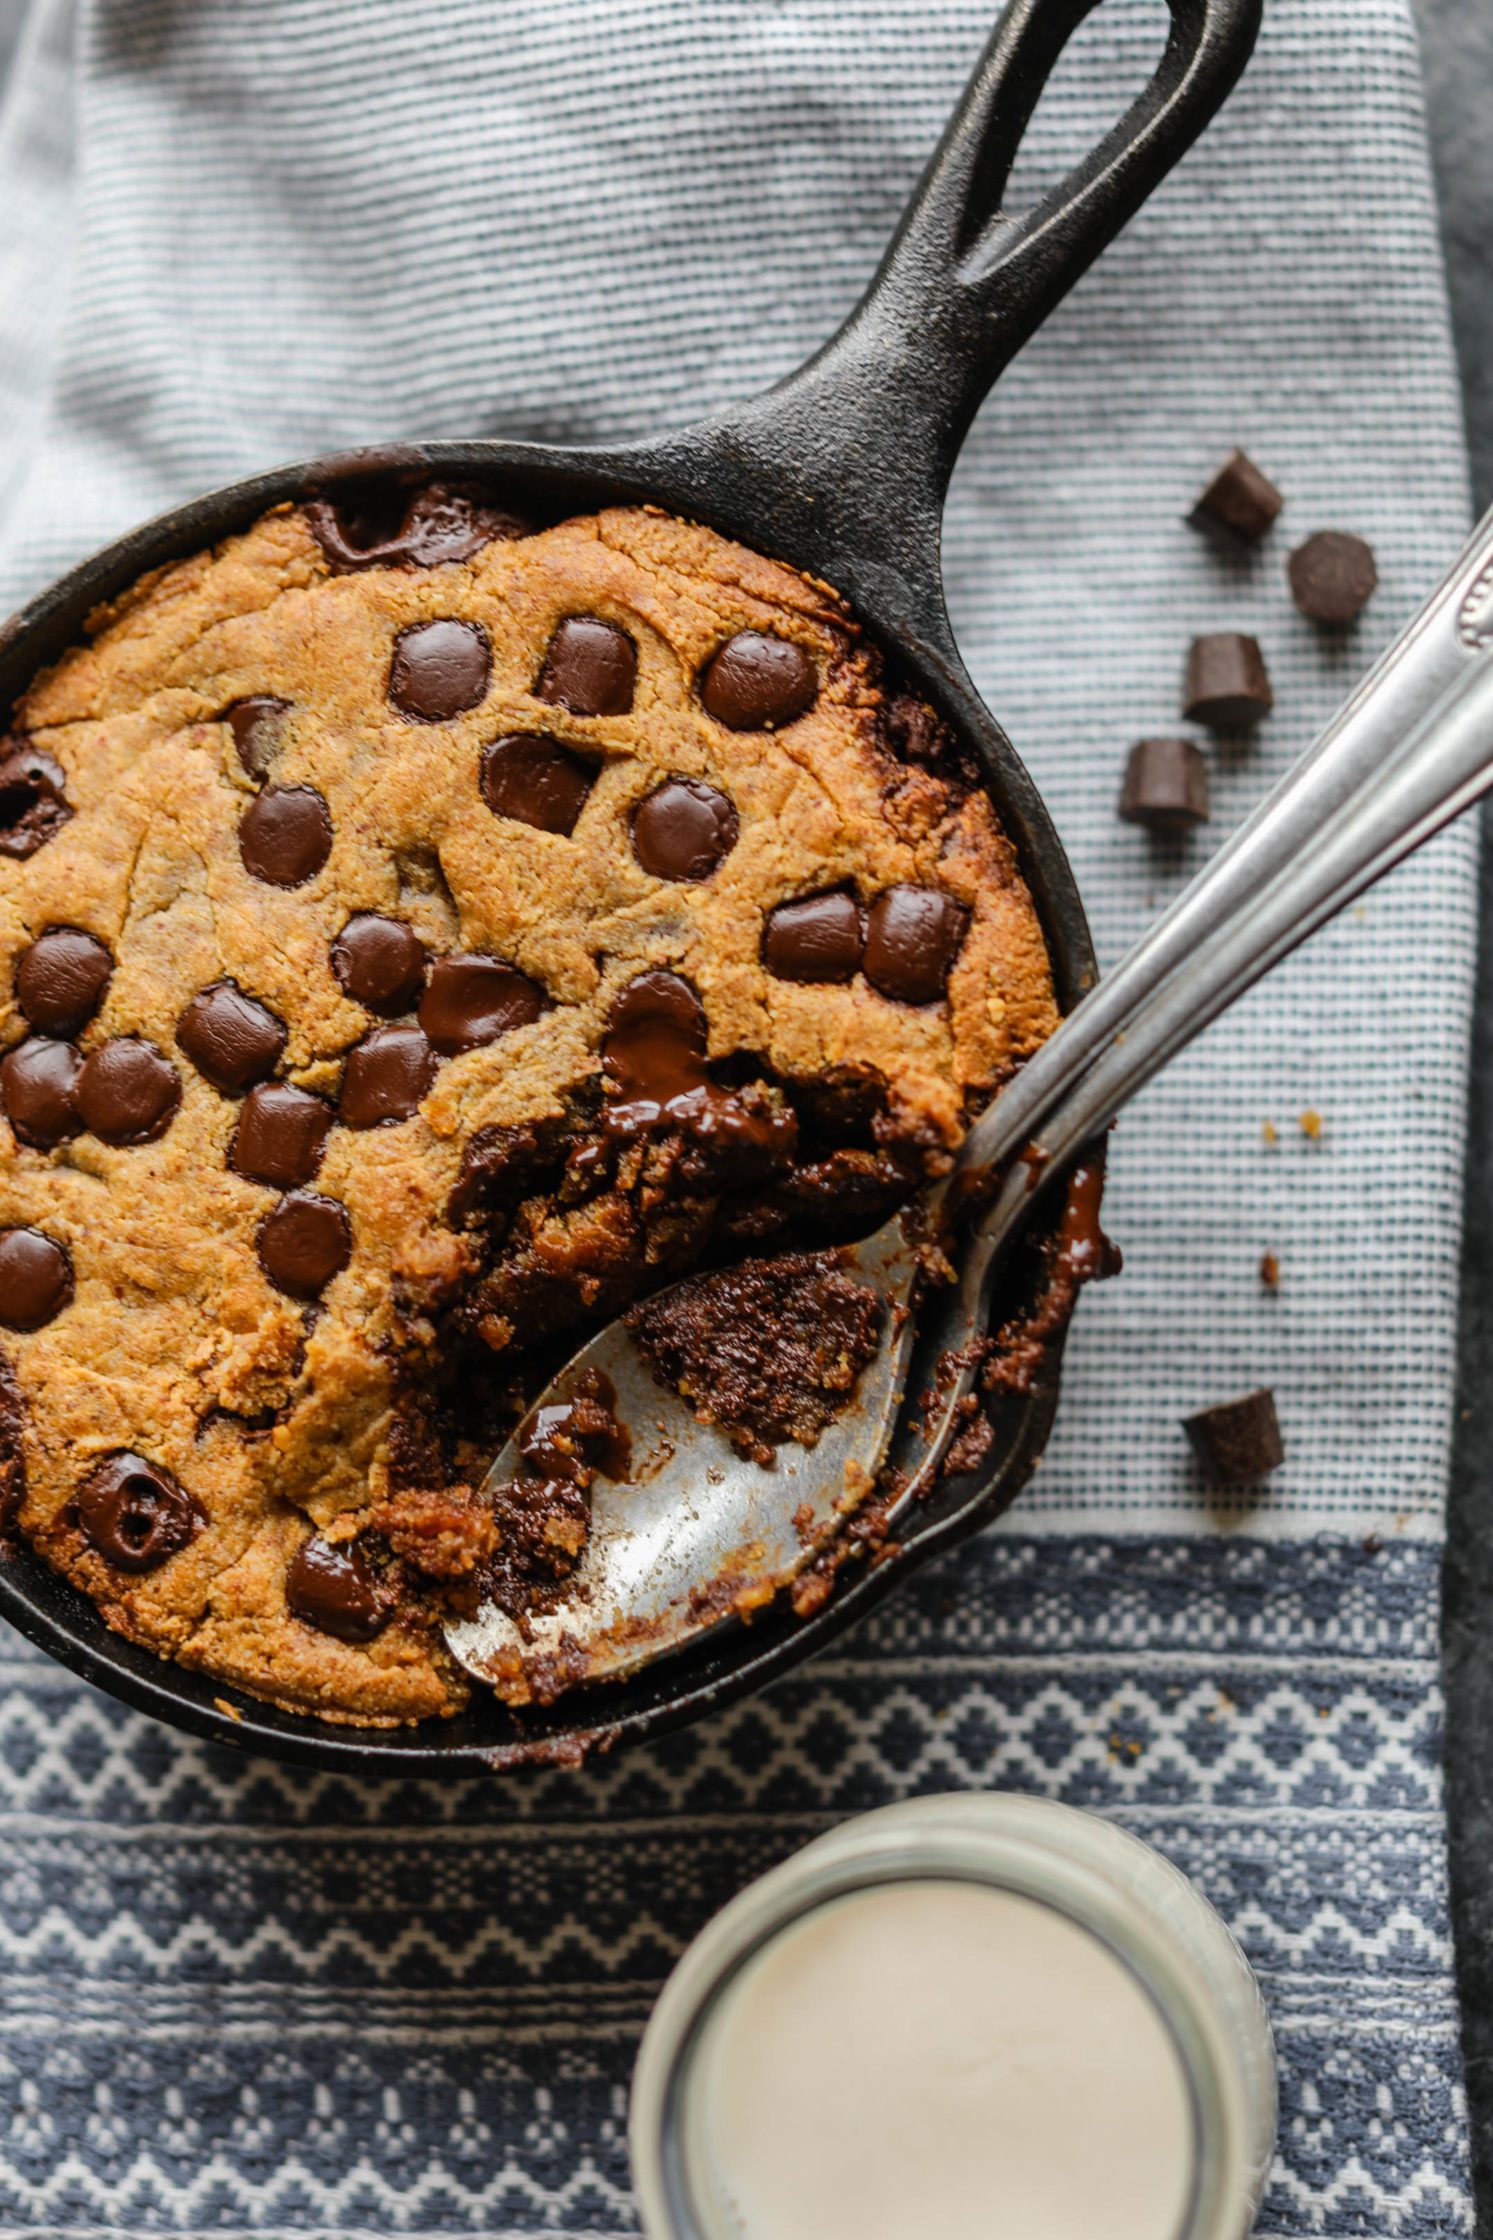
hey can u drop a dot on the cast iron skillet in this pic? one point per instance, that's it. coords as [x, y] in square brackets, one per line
[841, 470]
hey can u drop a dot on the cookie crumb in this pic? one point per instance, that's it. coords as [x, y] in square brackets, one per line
[1311, 1125]
[1270, 1271]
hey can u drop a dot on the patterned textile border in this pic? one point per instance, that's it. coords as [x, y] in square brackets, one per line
[244, 1999]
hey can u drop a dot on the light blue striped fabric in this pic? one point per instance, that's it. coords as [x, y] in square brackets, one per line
[235, 1999]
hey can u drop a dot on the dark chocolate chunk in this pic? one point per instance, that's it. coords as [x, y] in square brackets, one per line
[656, 1037]
[1238, 1440]
[591, 668]
[33, 798]
[386, 1076]
[285, 836]
[473, 1000]
[231, 1040]
[335, 1590]
[380, 963]
[1239, 504]
[384, 525]
[304, 1242]
[1333, 577]
[136, 1514]
[1228, 685]
[61, 978]
[38, 1081]
[36, 1279]
[820, 938]
[258, 726]
[440, 669]
[684, 829]
[281, 1134]
[127, 1092]
[913, 935]
[758, 683]
[535, 781]
[1166, 786]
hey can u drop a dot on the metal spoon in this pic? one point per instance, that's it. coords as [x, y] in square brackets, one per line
[696, 1534]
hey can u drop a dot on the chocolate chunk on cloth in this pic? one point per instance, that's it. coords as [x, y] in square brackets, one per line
[1239, 1440]
[1166, 786]
[1333, 576]
[1239, 505]
[1228, 684]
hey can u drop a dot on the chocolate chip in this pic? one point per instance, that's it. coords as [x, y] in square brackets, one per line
[280, 1137]
[304, 1242]
[383, 525]
[136, 1514]
[820, 938]
[439, 669]
[38, 1082]
[913, 935]
[1228, 685]
[1333, 577]
[657, 1034]
[473, 1000]
[1238, 1440]
[335, 1590]
[534, 781]
[61, 978]
[386, 1077]
[1166, 786]
[231, 1040]
[127, 1092]
[684, 829]
[380, 963]
[591, 668]
[285, 836]
[258, 727]
[1239, 504]
[36, 1279]
[33, 800]
[759, 683]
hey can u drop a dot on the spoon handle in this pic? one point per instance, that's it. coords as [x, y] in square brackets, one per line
[1440, 645]
[1442, 767]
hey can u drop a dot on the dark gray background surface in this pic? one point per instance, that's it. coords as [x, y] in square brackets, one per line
[1458, 41]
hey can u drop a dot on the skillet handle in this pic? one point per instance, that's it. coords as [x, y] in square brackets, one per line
[983, 280]
[843, 467]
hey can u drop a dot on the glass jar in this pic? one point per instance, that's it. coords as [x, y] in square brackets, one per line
[1120, 1890]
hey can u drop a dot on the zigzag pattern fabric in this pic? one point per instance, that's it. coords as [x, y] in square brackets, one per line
[238, 2000]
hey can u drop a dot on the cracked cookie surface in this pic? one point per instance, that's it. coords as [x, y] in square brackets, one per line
[414, 947]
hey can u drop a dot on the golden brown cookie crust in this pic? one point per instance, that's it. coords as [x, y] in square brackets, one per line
[176, 1345]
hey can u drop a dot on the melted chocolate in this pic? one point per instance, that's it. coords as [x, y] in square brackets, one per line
[258, 727]
[655, 1051]
[285, 836]
[60, 980]
[474, 1000]
[386, 1077]
[304, 1242]
[36, 1279]
[439, 669]
[136, 1514]
[231, 1040]
[127, 1092]
[913, 935]
[591, 668]
[535, 781]
[33, 798]
[571, 1440]
[381, 525]
[684, 829]
[281, 1134]
[759, 683]
[380, 963]
[335, 1590]
[38, 1082]
[819, 939]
